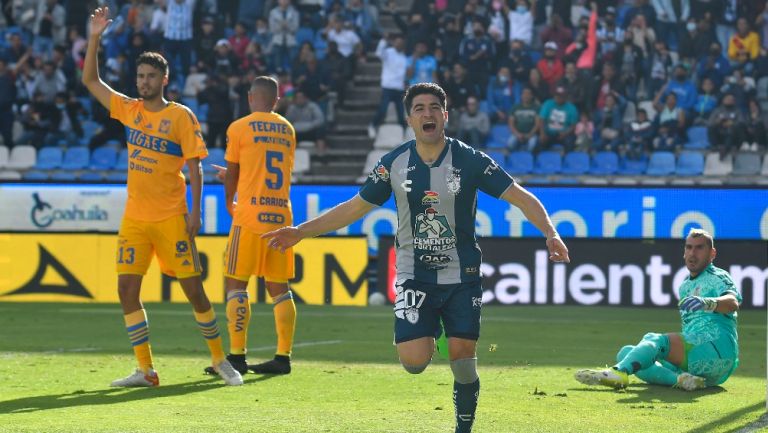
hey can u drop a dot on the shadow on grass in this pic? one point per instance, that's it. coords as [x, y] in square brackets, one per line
[756, 425]
[114, 395]
[645, 393]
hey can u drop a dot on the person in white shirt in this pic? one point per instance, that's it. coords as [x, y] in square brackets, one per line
[178, 36]
[520, 22]
[391, 51]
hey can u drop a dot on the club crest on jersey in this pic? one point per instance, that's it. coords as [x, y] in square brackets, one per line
[453, 180]
[165, 126]
[430, 198]
[412, 315]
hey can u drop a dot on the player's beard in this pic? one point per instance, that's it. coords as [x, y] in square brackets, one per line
[149, 94]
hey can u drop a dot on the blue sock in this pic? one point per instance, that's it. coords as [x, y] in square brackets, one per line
[465, 401]
[653, 347]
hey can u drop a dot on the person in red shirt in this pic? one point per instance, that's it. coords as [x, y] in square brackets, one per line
[550, 66]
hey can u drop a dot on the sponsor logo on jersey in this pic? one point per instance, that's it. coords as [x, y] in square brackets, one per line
[271, 218]
[430, 198]
[406, 170]
[185, 263]
[433, 233]
[435, 261]
[453, 180]
[148, 126]
[492, 167]
[136, 154]
[165, 126]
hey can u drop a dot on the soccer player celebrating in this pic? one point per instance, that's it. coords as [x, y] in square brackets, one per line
[260, 152]
[161, 137]
[706, 352]
[435, 180]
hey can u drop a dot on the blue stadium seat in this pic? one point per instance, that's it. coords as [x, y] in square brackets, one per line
[92, 176]
[215, 156]
[548, 163]
[520, 162]
[122, 160]
[633, 166]
[76, 158]
[49, 158]
[661, 164]
[497, 156]
[697, 138]
[35, 175]
[498, 136]
[104, 158]
[90, 128]
[576, 163]
[64, 176]
[117, 177]
[604, 163]
[690, 164]
[304, 34]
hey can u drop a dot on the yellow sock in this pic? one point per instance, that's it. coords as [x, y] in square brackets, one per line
[138, 333]
[238, 317]
[206, 321]
[285, 322]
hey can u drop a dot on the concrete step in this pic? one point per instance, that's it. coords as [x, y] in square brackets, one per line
[359, 128]
[349, 142]
[362, 117]
[368, 68]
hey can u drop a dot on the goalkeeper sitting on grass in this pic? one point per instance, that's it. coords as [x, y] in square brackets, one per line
[706, 352]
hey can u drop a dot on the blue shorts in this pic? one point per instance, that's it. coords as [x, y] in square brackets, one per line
[420, 306]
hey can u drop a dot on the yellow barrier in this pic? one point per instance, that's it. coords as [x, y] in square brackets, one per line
[81, 268]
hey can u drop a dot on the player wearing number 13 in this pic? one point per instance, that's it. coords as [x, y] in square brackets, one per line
[161, 137]
[260, 152]
[435, 181]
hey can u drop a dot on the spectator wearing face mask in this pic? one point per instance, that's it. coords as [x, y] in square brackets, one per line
[556, 32]
[682, 87]
[502, 93]
[550, 66]
[586, 44]
[477, 52]
[714, 65]
[726, 128]
[609, 35]
[520, 21]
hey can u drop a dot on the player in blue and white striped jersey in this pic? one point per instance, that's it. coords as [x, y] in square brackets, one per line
[435, 180]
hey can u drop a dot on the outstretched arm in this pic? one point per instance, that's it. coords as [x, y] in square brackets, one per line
[98, 22]
[537, 215]
[340, 216]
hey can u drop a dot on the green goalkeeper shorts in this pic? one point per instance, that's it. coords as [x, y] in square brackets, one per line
[713, 360]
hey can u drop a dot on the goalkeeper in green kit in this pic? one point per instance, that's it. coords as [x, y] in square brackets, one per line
[706, 352]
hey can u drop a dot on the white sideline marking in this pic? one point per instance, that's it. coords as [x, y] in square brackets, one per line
[307, 344]
[77, 349]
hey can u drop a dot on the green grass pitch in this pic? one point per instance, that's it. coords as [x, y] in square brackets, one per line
[56, 362]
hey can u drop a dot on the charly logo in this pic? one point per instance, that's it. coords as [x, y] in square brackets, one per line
[44, 215]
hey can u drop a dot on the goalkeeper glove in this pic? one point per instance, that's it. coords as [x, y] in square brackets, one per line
[696, 303]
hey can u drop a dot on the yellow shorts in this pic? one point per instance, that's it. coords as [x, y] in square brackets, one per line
[138, 241]
[248, 254]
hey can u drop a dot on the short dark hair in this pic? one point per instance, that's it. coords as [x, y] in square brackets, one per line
[423, 89]
[266, 85]
[156, 60]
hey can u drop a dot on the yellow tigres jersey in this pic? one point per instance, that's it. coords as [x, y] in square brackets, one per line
[159, 143]
[263, 144]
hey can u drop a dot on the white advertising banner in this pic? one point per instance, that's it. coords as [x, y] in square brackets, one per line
[61, 207]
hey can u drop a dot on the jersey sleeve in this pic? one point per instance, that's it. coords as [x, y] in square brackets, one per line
[492, 179]
[190, 136]
[120, 108]
[729, 288]
[377, 187]
[232, 153]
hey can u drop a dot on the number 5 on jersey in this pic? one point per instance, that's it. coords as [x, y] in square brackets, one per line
[273, 160]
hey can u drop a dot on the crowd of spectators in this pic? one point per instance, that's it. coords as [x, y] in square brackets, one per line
[214, 48]
[629, 76]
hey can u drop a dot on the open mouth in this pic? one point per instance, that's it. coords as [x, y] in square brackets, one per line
[429, 127]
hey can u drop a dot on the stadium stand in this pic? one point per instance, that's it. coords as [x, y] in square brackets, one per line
[345, 81]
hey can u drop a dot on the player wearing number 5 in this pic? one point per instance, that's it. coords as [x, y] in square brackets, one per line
[260, 150]
[435, 181]
[161, 137]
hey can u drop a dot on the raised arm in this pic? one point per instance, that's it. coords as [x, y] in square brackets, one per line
[535, 213]
[340, 216]
[98, 22]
